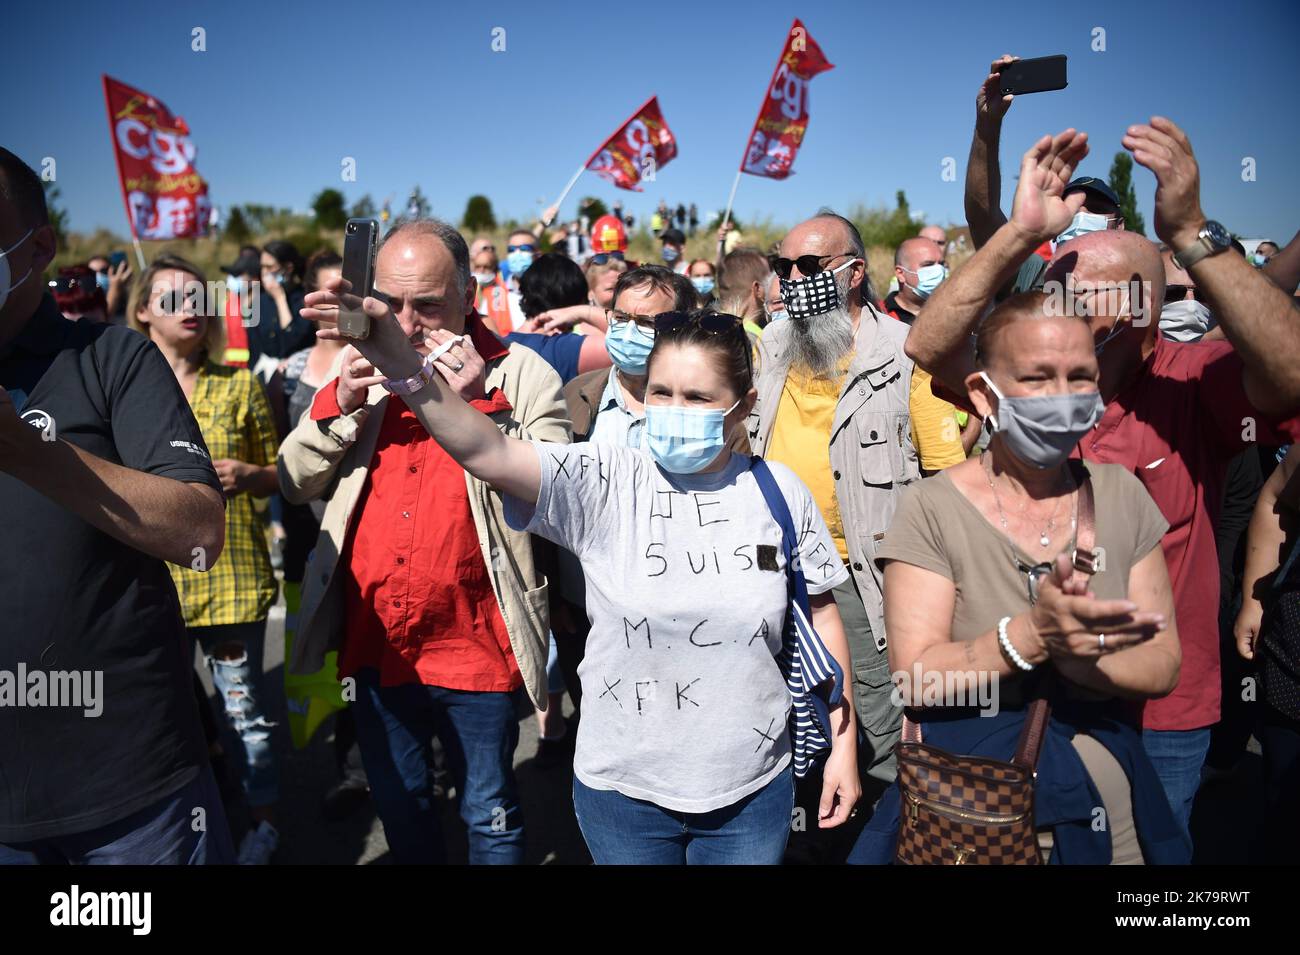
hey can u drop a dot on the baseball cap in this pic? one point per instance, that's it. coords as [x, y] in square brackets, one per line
[674, 236]
[1098, 187]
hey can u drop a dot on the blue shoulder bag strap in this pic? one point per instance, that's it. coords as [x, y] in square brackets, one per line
[809, 665]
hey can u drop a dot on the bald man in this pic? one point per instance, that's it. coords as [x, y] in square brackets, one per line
[934, 234]
[436, 608]
[834, 404]
[1176, 413]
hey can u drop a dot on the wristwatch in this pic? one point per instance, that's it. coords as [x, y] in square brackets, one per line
[409, 386]
[1211, 240]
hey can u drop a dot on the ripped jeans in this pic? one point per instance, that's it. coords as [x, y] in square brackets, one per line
[233, 654]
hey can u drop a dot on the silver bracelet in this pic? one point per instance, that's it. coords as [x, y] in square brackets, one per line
[1005, 643]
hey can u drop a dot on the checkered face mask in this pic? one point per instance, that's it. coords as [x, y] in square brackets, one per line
[814, 295]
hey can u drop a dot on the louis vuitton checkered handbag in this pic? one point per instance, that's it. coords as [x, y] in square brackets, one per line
[971, 810]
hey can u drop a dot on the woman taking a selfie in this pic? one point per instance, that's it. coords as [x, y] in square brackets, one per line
[979, 580]
[683, 753]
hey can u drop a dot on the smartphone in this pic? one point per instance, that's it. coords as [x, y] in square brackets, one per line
[116, 258]
[1037, 75]
[360, 237]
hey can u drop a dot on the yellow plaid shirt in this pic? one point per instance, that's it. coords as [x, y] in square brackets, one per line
[235, 418]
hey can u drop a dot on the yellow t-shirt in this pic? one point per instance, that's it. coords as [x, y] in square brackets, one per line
[935, 428]
[801, 437]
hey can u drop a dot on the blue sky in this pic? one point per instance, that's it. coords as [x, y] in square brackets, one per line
[414, 92]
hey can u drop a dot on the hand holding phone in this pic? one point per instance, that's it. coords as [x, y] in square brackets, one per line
[1037, 75]
[360, 238]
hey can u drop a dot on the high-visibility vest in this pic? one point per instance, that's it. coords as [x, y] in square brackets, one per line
[237, 352]
[493, 302]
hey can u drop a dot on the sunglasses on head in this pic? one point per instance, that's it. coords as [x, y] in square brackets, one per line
[715, 323]
[1176, 293]
[808, 264]
[521, 248]
[600, 258]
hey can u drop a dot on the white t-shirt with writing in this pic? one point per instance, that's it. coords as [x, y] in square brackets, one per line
[683, 702]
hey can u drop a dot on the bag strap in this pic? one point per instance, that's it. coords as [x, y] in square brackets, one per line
[1030, 743]
[776, 503]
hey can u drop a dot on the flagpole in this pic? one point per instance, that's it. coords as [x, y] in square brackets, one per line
[139, 252]
[567, 189]
[726, 219]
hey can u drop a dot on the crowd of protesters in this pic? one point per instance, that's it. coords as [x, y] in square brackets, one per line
[734, 507]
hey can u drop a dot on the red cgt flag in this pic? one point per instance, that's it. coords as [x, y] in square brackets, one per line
[164, 194]
[783, 117]
[642, 145]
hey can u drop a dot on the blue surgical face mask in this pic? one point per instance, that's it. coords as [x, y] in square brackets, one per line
[1083, 222]
[519, 262]
[1257, 260]
[703, 284]
[101, 279]
[928, 278]
[671, 253]
[629, 347]
[1042, 430]
[685, 440]
[780, 315]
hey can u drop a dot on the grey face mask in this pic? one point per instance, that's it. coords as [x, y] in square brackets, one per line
[1043, 429]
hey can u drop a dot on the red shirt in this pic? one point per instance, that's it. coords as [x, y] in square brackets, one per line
[1176, 426]
[418, 599]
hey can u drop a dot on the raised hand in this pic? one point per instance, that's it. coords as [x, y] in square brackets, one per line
[1040, 210]
[388, 349]
[1165, 149]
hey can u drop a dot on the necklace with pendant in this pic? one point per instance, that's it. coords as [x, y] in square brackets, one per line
[1045, 536]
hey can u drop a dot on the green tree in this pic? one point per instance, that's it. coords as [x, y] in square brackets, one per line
[329, 209]
[364, 208]
[58, 217]
[1121, 180]
[237, 229]
[478, 215]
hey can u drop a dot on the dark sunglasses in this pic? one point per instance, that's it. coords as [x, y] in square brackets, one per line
[600, 258]
[521, 248]
[1033, 575]
[808, 264]
[1176, 293]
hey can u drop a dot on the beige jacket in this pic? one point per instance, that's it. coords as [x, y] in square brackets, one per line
[332, 457]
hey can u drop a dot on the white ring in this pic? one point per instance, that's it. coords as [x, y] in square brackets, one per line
[1101, 640]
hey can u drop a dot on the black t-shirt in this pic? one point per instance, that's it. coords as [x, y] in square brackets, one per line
[76, 601]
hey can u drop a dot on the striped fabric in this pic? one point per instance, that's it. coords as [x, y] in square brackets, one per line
[806, 664]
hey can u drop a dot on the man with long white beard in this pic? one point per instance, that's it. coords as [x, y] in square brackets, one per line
[834, 391]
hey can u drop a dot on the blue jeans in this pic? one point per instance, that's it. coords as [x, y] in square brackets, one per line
[238, 682]
[479, 733]
[621, 830]
[166, 833]
[1178, 756]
